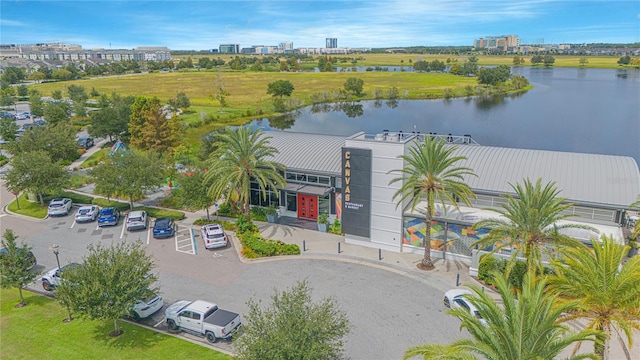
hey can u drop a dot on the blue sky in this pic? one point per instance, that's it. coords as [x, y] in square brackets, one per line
[201, 25]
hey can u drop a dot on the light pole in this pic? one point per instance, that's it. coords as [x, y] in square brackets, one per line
[55, 248]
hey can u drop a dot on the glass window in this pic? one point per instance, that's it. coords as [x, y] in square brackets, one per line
[323, 180]
[339, 182]
[292, 201]
[312, 179]
[324, 205]
[291, 176]
[301, 177]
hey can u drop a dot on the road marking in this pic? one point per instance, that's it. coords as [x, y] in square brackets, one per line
[1, 215]
[159, 322]
[148, 235]
[122, 232]
[185, 242]
[73, 224]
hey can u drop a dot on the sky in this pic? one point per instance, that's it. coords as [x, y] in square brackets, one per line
[203, 25]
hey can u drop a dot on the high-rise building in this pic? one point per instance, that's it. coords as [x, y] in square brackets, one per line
[332, 43]
[502, 42]
[229, 48]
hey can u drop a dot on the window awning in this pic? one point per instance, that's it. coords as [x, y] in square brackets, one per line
[308, 189]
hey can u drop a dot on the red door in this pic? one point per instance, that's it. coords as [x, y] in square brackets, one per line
[307, 206]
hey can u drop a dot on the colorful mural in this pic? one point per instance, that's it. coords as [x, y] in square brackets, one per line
[448, 237]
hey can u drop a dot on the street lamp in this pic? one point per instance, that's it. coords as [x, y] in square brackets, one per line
[55, 248]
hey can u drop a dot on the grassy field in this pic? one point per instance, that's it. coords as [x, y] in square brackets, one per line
[38, 332]
[608, 62]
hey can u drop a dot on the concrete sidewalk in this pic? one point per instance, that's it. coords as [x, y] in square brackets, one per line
[321, 245]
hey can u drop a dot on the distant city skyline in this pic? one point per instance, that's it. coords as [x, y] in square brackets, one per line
[203, 25]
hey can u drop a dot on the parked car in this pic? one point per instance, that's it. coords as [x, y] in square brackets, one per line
[53, 277]
[59, 207]
[214, 236]
[136, 220]
[87, 213]
[164, 227]
[29, 257]
[108, 216]
[457, 298]
[203, 318]
[85, 142]
[147, 306]
[5, 114]
[23, 116]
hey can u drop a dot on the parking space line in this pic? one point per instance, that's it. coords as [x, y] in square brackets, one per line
[159, 322]
[122, 232]
[185, 242]
[148, 236]
[193, 238]
[73, 224]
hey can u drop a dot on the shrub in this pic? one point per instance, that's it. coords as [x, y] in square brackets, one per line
[258, 213]
[488, 264]
[336, 227]
[254, 245]
[79, 180]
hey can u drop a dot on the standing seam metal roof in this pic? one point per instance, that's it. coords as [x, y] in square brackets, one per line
[308, 152]
[583, 178]
[606, 180]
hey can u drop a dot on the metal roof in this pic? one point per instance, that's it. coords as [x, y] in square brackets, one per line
[308, 152]
[596, 179]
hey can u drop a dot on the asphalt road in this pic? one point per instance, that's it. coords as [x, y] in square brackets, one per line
[389, 312]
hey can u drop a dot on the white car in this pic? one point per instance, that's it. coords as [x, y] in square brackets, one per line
[87, 213]
[457, 298]
[136, 220]
[214, 236]
[147, 306]
[59, 207]
[53, 277]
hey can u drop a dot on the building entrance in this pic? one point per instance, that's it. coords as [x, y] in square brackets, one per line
[308, 206]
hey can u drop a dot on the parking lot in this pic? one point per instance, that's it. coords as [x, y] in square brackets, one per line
[389, 311]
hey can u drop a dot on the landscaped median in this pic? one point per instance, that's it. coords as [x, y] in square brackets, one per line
[37, 331]
[253, 244]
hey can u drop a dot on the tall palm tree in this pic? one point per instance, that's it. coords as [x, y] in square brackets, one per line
[604, 292]
[432, 173]
[529, 222]
[242, 155]
[523, 328]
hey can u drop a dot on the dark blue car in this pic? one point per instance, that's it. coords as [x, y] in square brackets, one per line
[164, 227]
[108, 217]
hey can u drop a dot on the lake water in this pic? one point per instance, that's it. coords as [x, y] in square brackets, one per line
[577, 110]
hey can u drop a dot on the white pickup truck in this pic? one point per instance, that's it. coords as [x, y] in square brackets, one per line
[202, 318]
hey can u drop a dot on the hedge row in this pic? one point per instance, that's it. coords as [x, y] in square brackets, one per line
[489, 265]
[255, 246]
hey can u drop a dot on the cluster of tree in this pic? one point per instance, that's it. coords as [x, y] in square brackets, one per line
[494, 76]
[181, 101]
[468, 68]
[455, 50]
[628, 60]
[325, 63]
[435, 65]
[115, 68]
[208, 63]
[151, 128]
[547, 60]
[12, 75]
[290, 64]
[278, 89]
[586, 284]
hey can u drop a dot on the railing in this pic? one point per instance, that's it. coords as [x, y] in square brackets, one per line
[401, 136]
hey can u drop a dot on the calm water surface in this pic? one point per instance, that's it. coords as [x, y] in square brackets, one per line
[577, 110]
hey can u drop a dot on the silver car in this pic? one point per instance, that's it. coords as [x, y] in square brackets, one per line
[87, 213]
[137, 220]
[59, 207]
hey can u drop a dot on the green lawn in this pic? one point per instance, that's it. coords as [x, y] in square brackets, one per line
[38, 332]
[28, 208]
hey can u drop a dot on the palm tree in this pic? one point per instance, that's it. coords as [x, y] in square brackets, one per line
[432, 173]
[525, 327]
[242, 155]
[529, 221]
[604, 292]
